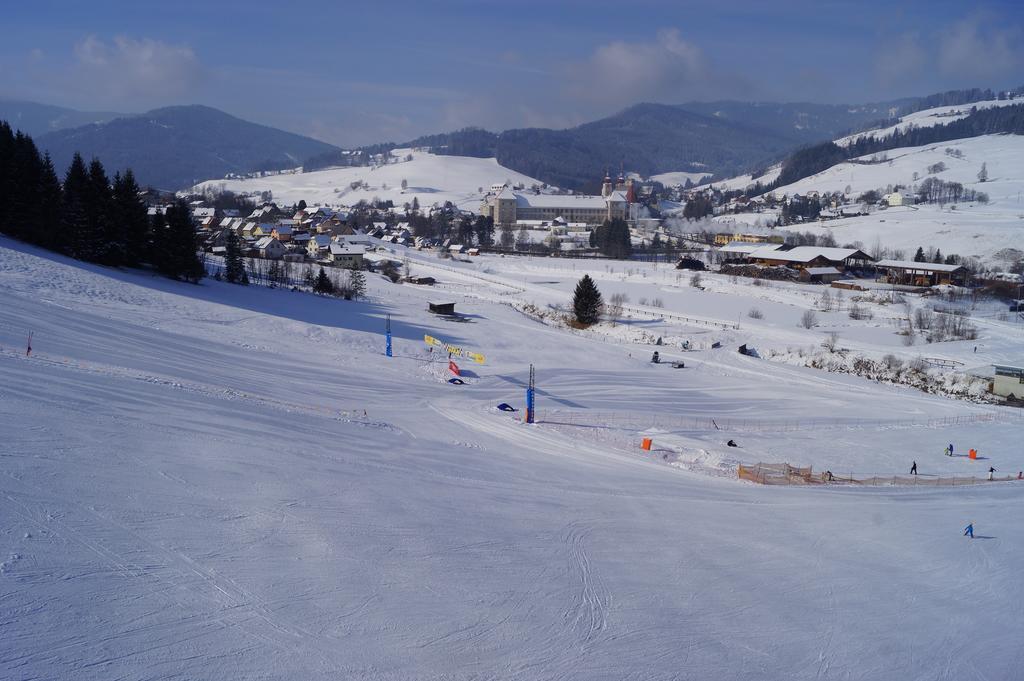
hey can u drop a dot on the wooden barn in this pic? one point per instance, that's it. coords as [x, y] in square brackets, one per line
[910, 273]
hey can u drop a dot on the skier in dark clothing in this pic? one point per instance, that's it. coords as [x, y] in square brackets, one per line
[969, 531]
[991, 470]
[913, 469]
[730, 443]
[949, 450]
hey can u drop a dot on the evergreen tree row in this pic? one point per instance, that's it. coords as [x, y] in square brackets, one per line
[88, 216]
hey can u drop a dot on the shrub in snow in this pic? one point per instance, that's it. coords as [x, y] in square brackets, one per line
[808, 319]
[754, 313]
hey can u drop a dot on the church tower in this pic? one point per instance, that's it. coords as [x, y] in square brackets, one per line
[606, 188]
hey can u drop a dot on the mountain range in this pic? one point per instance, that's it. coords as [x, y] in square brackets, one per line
[35, 119]
[178, 146]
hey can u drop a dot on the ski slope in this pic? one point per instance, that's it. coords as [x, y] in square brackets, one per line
[222, 482]
[430, 178]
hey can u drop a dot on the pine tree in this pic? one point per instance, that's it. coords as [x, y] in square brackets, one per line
[233, 266]
[105, 234]
[158, 240]
[25, 168]
[50, 198]
[74, 211]
[919, 256]
[130, 213]
[484, 228]
[586, 302]
[983, 173]
[323, 284]
[180, 260]
[938, 257]
[6, 176]
[613, 239]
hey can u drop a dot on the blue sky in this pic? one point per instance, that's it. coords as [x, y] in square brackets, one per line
[363, 72]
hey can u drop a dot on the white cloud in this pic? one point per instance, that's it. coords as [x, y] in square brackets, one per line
[130, 71]
[902, 60]
[978, 49]
[972, 52]
[667, 69]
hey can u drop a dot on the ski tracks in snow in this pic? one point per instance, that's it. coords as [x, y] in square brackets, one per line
[587, 614]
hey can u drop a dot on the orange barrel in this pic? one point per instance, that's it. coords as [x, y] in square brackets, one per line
[646, 444]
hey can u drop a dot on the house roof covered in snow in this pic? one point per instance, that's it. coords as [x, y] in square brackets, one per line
[919, 266]
[561, 201]
[808, 253]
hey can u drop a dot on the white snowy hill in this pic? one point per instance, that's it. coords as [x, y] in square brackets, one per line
[968, 228]
[429, 178]
[223, 482]
[928, 118]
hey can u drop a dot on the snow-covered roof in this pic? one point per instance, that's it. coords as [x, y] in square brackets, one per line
[746, 247]
[816, 271]
[804, 253]
[340, 249]
[265, 242]
[561, 201]
[922, 266]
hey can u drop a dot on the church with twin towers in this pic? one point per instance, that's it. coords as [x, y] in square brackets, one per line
[509, 207]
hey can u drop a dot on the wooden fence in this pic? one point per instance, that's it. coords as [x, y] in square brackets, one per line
[784, 474]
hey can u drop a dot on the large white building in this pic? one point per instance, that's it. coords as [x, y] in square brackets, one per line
[508, 207]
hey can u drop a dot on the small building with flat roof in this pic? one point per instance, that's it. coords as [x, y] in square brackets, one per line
[1008, 381]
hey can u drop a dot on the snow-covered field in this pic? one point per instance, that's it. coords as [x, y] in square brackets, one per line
[223, 482]
[429, 178]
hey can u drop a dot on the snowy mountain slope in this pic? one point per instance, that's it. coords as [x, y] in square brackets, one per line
[968, 229]
[679, 177]
[431, 179]
[927, 118]
[190, 489]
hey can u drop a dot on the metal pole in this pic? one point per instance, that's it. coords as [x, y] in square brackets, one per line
[530, 414]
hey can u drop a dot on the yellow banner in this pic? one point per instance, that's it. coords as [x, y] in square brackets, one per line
[453, 350]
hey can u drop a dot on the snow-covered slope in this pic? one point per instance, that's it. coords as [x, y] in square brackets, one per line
[678, 177]
[928, 118]
[967, 229]
[429, 178]
[223, 482]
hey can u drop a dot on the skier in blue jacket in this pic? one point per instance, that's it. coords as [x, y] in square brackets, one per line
[969, 531]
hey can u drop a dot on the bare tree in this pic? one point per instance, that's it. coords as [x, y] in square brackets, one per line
[613, 309]
[808, 319]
